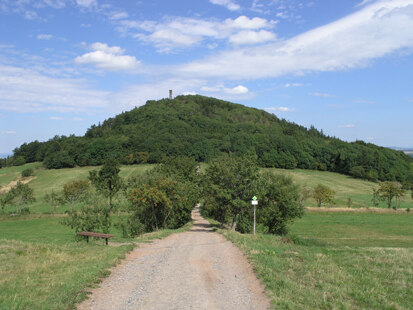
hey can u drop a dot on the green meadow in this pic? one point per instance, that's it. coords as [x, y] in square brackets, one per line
[360, 191]
[336, 260]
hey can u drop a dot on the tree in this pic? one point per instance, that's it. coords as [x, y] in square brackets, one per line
[323, 194]
[389, 190]
[164, 204]
[228, 186]
[54, 200]
[376, 197]
[107, 180]
[75, 191]
[20, 195]
[279, 202]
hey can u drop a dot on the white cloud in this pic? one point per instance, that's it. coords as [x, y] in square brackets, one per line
[229, 4]
[374, 31]
[77, 119]
[30, 15]
[8, 132]
[243, 22]
[44, 36]
[118, 15]
[27, 90]
[56, 118]
[362, 101]
[87, 3]
[252, 37]
[109, 58]
[288, 85]
[103, 47]
[347, 126]
[180, 32]
[237, 90]
[324, 95]
[278, 109]
[56, 4]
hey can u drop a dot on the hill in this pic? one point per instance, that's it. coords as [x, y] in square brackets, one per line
[202, 127]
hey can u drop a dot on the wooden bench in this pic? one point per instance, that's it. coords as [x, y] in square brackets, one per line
[88, 234]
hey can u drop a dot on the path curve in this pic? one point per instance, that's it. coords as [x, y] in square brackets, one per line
[197, 269]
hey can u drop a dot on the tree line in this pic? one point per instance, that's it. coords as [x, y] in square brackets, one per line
[203, 128]
[164, 196]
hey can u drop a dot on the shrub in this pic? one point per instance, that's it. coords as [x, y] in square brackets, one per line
[27, 172]
[131, 227]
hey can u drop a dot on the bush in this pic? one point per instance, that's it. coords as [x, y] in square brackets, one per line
[131, 227]
[25, 210]
[27, 172]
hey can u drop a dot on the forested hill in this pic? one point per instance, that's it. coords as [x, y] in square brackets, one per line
[202, 127]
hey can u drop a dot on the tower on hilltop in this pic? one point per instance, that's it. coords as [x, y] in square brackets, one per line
[170, 94]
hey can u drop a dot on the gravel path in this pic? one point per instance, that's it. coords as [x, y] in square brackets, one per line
[198, 269]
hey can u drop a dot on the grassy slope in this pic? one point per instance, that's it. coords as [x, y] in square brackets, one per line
[360, 191]
[54, 179]
[8, 174]
[340, 261]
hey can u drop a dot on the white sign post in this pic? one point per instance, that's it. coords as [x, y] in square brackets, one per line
[254, 202]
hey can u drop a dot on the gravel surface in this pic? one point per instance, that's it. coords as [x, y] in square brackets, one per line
[198, 269]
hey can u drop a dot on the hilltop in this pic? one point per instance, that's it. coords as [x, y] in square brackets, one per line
[202, 127]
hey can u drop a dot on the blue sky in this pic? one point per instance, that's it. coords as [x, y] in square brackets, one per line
[343, 66]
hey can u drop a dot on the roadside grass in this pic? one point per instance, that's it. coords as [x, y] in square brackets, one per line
[335, 261]
[360, 191]
[44, 267]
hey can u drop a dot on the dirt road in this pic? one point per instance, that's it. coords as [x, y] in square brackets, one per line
[198, 269]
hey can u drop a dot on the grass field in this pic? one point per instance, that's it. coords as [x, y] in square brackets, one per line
[47, 181]
[44, 267]
[360, 191]
[336, 261]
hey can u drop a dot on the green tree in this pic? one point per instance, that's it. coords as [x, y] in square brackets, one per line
[107, 180]
[229, 185]
[389, 190]
[95, 218]
[161, 205]
[19, 195]
[376, 197]
[323, 194]
[75, 191]
[54, 200]
[280, 202]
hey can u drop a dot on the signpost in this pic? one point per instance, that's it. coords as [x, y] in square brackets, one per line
[254, 202]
